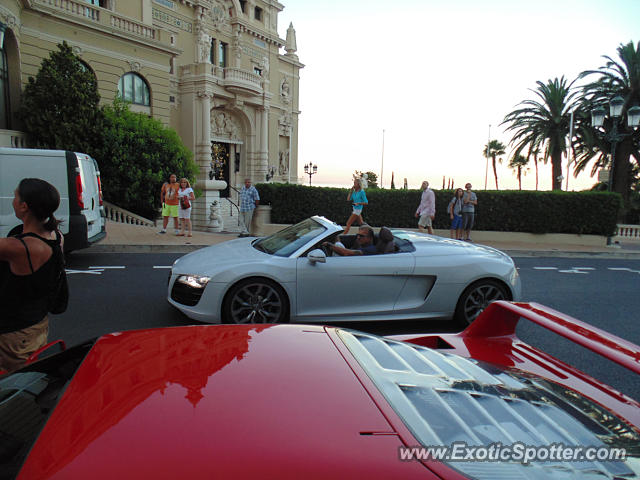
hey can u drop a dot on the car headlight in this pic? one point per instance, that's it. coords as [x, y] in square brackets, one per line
[194, 281]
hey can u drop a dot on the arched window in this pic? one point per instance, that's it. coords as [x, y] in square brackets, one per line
[134, 89]
[5, 105]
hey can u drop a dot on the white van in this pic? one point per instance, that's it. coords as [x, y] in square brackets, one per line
[77, 178]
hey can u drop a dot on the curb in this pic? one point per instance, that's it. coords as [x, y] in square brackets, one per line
[512, 253]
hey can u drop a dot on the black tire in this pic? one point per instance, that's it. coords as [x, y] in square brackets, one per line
[476, 297]
[255, 300]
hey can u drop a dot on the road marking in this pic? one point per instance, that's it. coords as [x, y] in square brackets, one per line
[624, 269]
[162, 266]
[89, 272]
[545, 268]
[109, 267]
[577, 270]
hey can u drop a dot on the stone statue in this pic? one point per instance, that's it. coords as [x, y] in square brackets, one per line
[215, 218]
[204, 47]
[285, 90]
[283, 167]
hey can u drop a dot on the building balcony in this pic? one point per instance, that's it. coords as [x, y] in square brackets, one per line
[241, 81]
[101, 18]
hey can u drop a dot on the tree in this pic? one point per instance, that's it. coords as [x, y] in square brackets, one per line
[393, 185]
[543, 123]
[372, 178]
[494, 149]
[517, 163]
[621, 77]
[138, 155]
[60, 105]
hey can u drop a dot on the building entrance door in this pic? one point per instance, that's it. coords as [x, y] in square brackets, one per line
[220, 165]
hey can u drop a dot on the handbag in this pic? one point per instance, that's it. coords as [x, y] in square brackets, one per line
[184, 202]
[59, 296]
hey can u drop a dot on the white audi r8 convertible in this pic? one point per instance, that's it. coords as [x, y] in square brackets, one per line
[288, 276]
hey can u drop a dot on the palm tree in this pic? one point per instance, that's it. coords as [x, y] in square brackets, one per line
[543, 123]
[622, 78]
[517, 163]
[493, 149]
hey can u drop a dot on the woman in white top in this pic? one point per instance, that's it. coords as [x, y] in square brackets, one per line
[185, 196]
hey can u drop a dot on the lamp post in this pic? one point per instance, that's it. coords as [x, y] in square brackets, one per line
[616, 106]
[310, 169]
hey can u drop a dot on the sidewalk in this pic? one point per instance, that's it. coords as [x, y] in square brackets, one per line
[124, 238]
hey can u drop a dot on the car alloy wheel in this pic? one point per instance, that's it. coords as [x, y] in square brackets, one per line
[255, 301]
[476, 298]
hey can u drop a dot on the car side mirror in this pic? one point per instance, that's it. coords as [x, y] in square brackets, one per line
[317, 255]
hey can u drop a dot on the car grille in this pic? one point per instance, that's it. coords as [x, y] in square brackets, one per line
[186, 295]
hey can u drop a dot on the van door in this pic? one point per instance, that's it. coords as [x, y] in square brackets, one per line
[91, 196]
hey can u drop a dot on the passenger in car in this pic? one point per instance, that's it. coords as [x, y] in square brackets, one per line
[385, 242]
[365, 246]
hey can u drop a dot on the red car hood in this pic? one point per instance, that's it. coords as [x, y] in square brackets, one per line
[217, 402]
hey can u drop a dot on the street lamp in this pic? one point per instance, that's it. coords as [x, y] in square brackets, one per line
[310, 169]
[616, 105]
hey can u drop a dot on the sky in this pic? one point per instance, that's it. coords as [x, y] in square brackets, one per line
[438, 76]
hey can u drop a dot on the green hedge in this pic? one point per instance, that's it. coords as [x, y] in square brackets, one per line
[587, 212]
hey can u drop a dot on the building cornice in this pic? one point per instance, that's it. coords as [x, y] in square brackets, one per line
[245, 27]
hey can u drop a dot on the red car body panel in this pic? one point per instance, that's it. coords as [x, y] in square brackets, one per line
[217, 402]
[492, 338]
[274, 401]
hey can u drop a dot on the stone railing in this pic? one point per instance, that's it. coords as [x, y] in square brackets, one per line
[98, 15]
[135, 28]
[120, 215]
[13, 139]
[241, 79]
[626, 233]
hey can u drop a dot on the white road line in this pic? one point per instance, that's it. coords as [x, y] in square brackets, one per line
[111, 267]
[583, 268]
[162, 266]
[89, 272]
[573, 270]
[545, 268]
[623, 269]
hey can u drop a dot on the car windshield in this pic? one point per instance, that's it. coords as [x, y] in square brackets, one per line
[27, 398]
[287, 241]
[447, 400]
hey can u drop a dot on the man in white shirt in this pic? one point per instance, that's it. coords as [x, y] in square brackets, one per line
[427, 209]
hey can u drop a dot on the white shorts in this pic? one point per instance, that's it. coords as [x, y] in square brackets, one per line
[425, 220]
[357, 210]
[184, 213]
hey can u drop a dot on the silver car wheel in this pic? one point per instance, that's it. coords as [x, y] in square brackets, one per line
[255, 301]
[476, 298]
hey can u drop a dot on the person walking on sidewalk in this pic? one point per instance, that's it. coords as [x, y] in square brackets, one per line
[455, 213]
[427, 209]
[169, 199]
[469, 202]
[249, 200]
[186, 196]
[358, 200]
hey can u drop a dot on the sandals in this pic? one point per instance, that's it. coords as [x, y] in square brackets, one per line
[179, 234]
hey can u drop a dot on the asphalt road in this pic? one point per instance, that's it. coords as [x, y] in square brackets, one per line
[112, 292]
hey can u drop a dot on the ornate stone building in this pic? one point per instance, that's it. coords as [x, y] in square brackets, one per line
[214, 70]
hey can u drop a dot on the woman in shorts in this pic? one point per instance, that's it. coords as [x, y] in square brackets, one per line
[358, 200]
[185, 197]
[455, 213]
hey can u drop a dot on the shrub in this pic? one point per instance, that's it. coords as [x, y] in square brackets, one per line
[585, 212]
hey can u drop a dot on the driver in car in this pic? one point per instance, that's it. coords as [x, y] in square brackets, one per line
[364, 239]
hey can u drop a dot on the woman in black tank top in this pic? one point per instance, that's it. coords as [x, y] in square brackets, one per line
[29, 266]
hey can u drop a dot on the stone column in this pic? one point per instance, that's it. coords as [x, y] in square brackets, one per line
[263, 155]
[200, 215]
